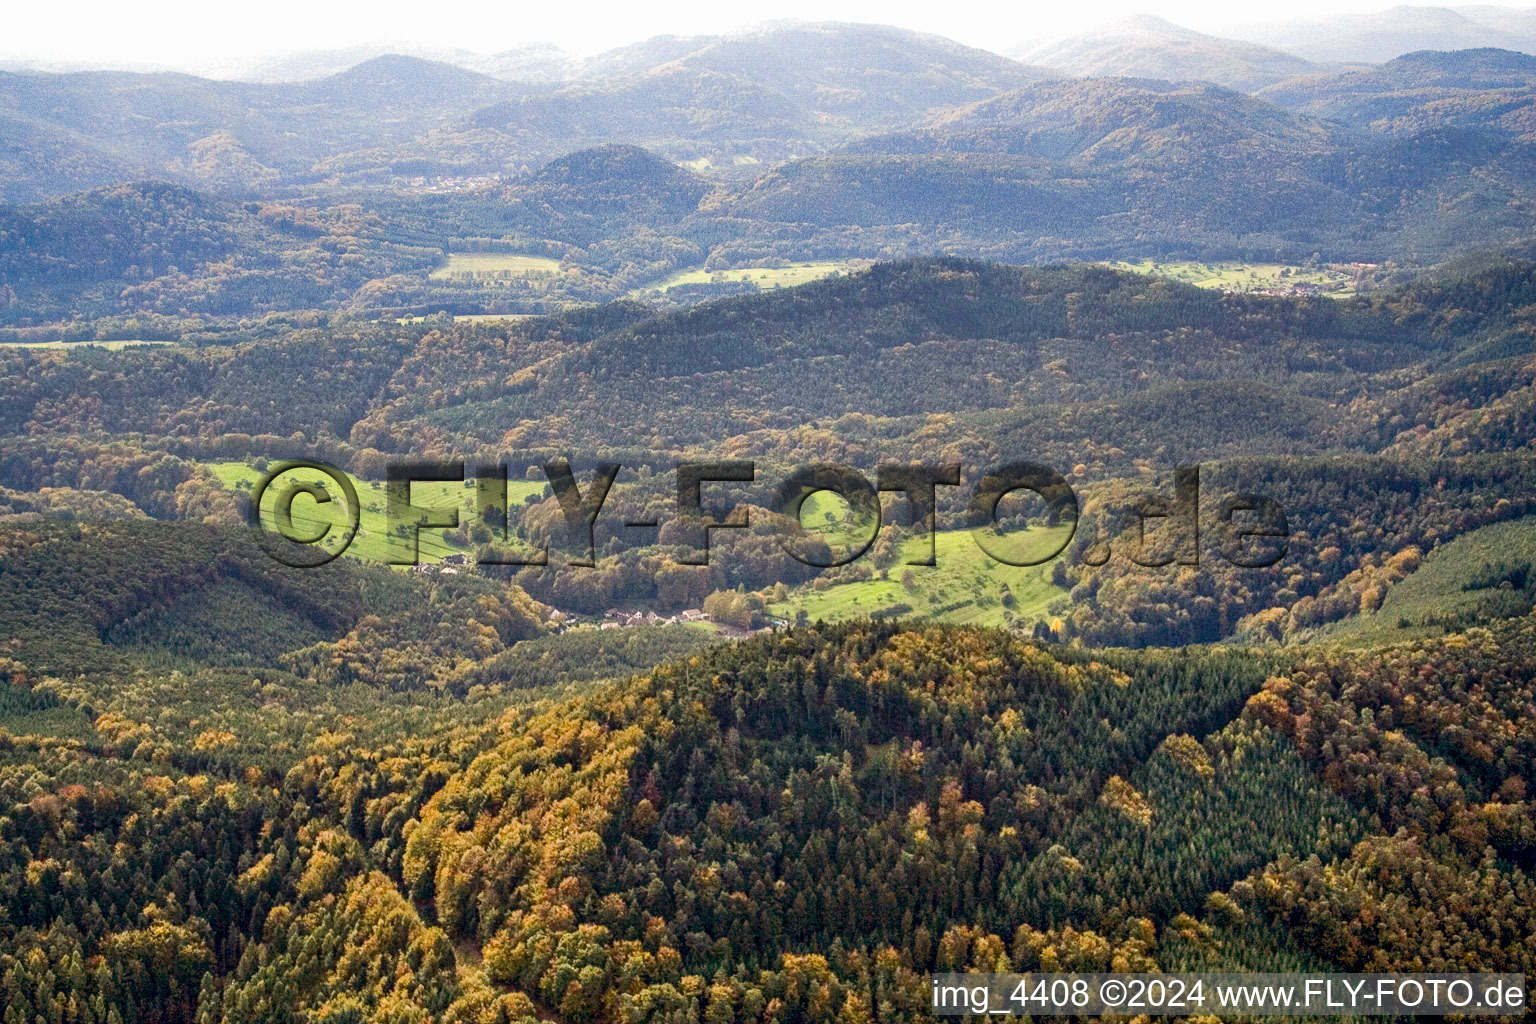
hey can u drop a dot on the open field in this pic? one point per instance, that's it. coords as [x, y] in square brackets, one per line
[111, 346]
[703, 164]
[470, 318]
[965, 586]
[832, 519]
[493, 266]
[1244, 277]
[764, 277]
[374, 542]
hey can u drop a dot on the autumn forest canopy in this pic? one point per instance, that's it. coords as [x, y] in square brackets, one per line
[507, 758]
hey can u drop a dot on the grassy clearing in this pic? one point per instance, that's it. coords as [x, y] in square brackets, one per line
[1436, 592]
[486, 267]
[374, 541]
[703, 165]
[832, 519]
[470, 318]
[110, 346]
[1245, 277]
[766, 278]
[965, 586]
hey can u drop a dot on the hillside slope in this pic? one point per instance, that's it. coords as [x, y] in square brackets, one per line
[1146, 46]
[1484, 88]
[1377, 36]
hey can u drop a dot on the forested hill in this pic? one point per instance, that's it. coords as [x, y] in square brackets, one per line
[901, 304]
[99, 600]
[98, 236]
[1028, 316]
[1105, 120]
[856, 73]
[233, 135]
[153, 249]
[1095, 166]
[910, 302]
[1146, 46]
[908, 339]
[843, 810]
[607, 186]
[162, 251]
[793, 829]
[1422, 90]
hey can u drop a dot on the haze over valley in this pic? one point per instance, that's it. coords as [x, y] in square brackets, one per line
[692, 524]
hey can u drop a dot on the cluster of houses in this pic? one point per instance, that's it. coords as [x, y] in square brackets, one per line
[616, 619]
[421, 185]
[1312, 288]
[613, 618]
[451, 565]
[1301, 288]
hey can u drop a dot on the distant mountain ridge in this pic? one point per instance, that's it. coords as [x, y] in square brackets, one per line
[1088, 167]
[534, 62]
[1380, 36]
[1107, 119]
[762, 96]
[1069, 169]
[1244, 57]
[796, 143]
[1484, 88]
[1145, 46]
[1251, 57]
[767, 95]
[159, 124]
[725, 105]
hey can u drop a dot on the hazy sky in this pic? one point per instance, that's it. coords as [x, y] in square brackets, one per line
[204, 33]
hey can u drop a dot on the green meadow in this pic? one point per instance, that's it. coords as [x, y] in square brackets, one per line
[470, 318]
[966, 586]
[110, 346]
[374, 542]
[493, 266]
[764, 277]
[1239, 277]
